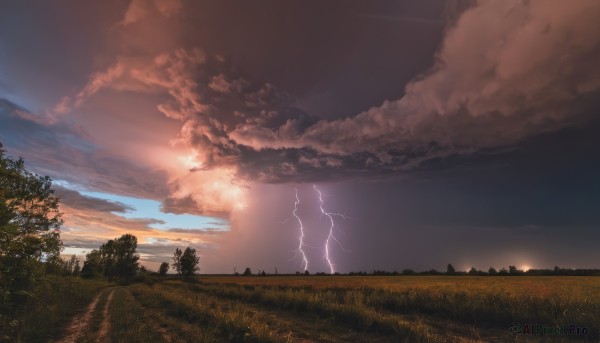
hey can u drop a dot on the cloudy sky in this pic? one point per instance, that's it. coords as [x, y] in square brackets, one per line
[438, 132]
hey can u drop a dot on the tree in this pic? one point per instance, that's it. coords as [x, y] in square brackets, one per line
[76, 267]
[71, 267]
[92, 266]
[186, 262]
[450, 269]
[126, 264]
[408, 272]
[492, 271]
[119, 259]
[163, 269]
[248, 272]
[189, 262]
[473, 271]
[177, 260]
[29, 227]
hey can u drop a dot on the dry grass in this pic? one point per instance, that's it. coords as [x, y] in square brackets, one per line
[351, 309]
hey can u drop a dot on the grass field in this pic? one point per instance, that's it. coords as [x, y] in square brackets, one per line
[343, 309]
[350, 309]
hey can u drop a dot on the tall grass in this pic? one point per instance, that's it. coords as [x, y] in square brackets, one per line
[349, 310]
[54, 301]
[485, 302]
[227, 322]
[127, 320]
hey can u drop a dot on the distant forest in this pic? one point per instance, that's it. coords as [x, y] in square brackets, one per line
[450, 270]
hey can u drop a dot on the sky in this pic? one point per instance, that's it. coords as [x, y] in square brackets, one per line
[437, 132]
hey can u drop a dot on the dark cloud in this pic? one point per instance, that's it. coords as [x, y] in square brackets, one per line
[466, 104]
[76, 200]
[66, 152]
[207, 230]
[475, 119]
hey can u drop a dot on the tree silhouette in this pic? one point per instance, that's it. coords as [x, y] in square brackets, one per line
[116, 259]
[189, 262]
[126, 257]
[92, 266]
[492, 271]
[450, 269]
[247, 272]
[163, 269]
[177, 260]
[185, 262]
[119, 258]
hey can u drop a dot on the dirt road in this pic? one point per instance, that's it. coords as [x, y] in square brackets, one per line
[79, 330]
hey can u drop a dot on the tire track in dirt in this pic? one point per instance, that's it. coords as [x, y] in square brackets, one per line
[79, 323]
[105, 326]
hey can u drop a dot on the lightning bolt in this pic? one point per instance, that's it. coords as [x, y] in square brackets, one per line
[330, 236]
[301, 244]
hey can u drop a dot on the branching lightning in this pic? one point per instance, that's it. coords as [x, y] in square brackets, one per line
[301, 244]
[331, 235]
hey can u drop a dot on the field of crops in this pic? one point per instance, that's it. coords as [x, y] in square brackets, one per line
[356, 309]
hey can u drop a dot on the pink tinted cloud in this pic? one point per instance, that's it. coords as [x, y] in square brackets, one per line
[506, 71]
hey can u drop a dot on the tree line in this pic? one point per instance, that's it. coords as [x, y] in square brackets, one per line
[450, 270]
[117, 260]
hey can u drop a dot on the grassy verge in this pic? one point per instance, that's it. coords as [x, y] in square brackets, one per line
[127, 320]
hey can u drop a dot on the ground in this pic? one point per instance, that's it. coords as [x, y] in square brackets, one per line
[339, 309]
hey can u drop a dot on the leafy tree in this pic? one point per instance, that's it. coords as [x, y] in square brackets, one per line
[119, 258]
[450, 269]
[248, 272]
[512, 270]
[92, 266]
[116, 259]
[76, 267]
[163, 269]
[71, 267]
[492, 271]
[177, 260]
[29, 228]
[185, 262]
[473, 271]
[189, 262]
[126, 264]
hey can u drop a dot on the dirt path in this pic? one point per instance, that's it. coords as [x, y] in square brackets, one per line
[105, 326]
[80, 323]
